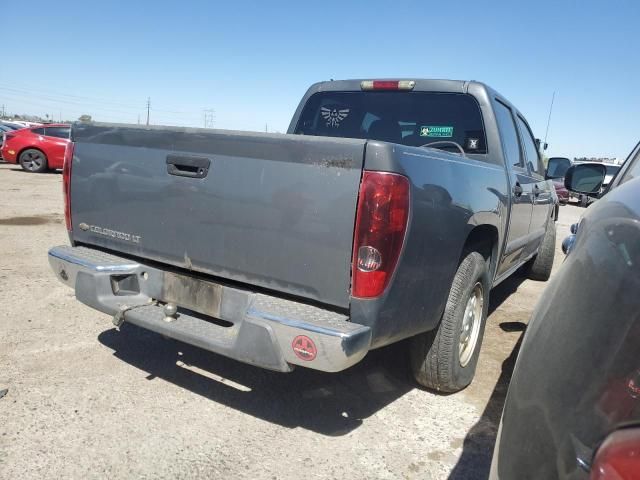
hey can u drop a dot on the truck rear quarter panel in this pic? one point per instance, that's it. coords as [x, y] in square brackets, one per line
[450, 195]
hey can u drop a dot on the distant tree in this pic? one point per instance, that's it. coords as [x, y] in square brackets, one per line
[85, 118]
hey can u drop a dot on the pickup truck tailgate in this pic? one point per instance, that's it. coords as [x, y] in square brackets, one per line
[275, 211]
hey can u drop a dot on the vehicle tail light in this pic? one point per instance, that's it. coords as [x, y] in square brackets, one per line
[387, 84]
[381, 222]
[618, 458]
[66, 183]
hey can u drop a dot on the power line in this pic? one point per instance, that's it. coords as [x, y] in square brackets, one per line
[69, 98]
[73, 109]
[81, 100]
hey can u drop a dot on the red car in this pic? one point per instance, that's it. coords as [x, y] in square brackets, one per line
[561, 191]
[37, 149]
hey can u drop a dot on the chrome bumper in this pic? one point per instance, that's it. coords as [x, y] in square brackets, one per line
[254, 328]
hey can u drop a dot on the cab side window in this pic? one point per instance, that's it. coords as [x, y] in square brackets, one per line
[509, 134]
[534, 161]
[60, 132]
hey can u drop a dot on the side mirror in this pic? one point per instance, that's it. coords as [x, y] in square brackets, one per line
[539, 142]
[586, 178]
[557, 168]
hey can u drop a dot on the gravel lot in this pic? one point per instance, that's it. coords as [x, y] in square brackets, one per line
[88, 401]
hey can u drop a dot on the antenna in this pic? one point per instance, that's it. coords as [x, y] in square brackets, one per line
[549, 119]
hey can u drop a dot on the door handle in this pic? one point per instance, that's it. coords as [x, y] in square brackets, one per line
[517, 190]
[186, 166]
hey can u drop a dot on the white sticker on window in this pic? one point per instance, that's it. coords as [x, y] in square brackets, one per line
[333, 116]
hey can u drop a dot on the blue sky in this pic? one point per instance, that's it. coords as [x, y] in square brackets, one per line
[252, 61]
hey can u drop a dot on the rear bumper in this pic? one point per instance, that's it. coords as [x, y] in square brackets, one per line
[7, 156]
[254, 328]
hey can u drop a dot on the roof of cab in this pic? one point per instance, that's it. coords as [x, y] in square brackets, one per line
[422, 85]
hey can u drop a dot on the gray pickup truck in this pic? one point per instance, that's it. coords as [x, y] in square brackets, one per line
[388, 211]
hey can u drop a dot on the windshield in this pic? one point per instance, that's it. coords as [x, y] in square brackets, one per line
[557, 167]
[408, 118]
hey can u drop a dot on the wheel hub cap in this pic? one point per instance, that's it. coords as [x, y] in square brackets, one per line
[33, 161]
[471, 322]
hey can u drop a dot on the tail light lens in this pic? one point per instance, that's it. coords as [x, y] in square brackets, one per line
[618, 458]
[66, 183]
[381, 222]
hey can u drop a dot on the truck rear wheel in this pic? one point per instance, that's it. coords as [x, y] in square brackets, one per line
[445, 359]
[540, 266]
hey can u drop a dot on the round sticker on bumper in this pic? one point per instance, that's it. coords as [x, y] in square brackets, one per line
[304, 348]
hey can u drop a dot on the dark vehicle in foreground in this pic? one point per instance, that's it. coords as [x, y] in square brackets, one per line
[573, 406]
[37, 149]
[388, 211]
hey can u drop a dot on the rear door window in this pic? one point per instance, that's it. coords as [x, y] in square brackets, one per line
[407, 118]
[509, 135]
[37, 131]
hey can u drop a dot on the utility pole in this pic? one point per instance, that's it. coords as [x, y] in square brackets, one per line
[138, 119]
[266, 128]
[549, 120]
[148, 108]
[209, 117]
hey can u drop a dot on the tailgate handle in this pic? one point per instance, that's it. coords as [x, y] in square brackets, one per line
[183, 166]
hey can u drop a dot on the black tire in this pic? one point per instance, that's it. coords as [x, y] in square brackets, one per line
[435, 356]
[33, 160]
[539, 267]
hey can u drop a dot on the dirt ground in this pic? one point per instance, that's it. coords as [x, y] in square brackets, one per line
[88, 401]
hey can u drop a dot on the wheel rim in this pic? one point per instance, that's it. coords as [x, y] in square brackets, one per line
[32, 161]
[471, 325]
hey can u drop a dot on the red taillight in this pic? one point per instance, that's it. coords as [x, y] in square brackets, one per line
[381, 222]
[618, 458]
[66, 183]
[387, 84]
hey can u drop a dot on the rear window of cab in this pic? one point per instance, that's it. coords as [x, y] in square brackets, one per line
[408, 118]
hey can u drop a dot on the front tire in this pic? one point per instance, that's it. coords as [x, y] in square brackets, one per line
[33, 160]
[445, 359]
